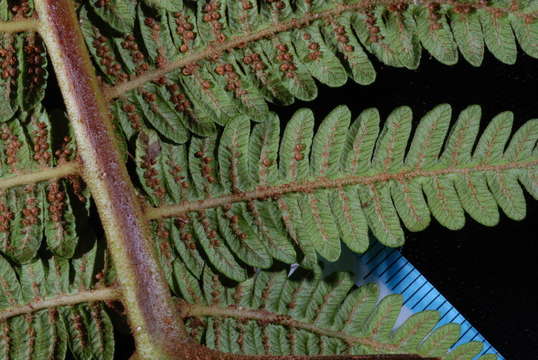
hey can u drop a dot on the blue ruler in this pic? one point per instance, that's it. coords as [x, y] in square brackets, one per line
[395, 274]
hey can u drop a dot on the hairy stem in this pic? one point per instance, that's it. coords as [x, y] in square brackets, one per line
[157, 329]
[19, 25]
[264, 192]
[104, 294]
[234, 42]
[267, 317]
[241, 40]
[60, 171]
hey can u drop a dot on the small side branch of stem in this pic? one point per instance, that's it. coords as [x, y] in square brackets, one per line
[241, 40]
[19, 25]
[158, 332]
[268, 317]
[60, 171]
[265, 192]
[104, 294]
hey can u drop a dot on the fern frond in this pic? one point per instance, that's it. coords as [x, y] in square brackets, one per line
[273, 314]
[182, 71]
[252, 197]
[52, 306]
[24, 71]
[40, 189]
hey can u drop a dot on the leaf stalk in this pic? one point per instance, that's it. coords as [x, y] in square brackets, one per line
[103, 294]
[158, 331]
[265, 192]
[235, 42]
[60, 171]
[19, 25]
[267, 317]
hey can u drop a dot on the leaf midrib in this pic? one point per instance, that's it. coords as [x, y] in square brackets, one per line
[242, 314]
[112, 92]
[265, 192]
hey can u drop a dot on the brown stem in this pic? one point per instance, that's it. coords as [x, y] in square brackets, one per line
[267, 317]
[104, 294]
[241, 40]
[60, 171]
[265, 192]
[158, 331]
[18, 25]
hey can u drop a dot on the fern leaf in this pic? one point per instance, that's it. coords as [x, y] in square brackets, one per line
[24, 73]
[440, 340]
[436, 37]
[336, 184]
[468, 35]
[273, 314]
[498, 35]
[184, 80]
[525, 27]
[120, 15]
[48, 331]
[465, 351]
[170, 5]
[488, 357]
[216, 248]
[202, 65]
[181, 234]
[320, 61]
[408, 336]
[36, 209]
[339, 37]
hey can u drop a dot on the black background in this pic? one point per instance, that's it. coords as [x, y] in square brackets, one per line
[488, 274]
